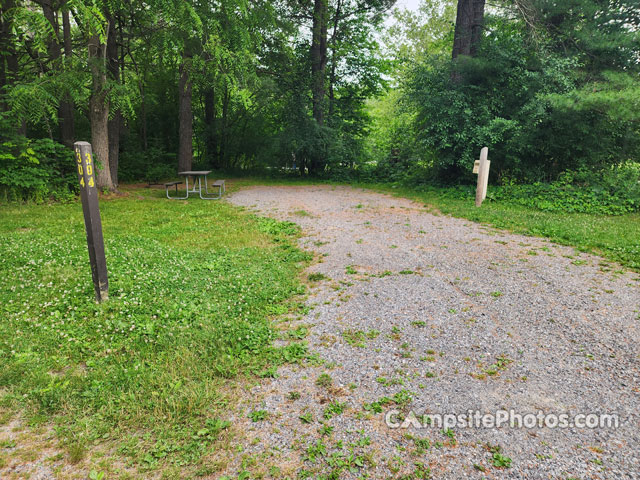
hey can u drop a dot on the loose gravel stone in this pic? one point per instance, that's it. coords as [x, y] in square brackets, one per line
[443, 316]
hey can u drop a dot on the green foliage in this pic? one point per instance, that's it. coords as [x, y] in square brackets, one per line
[546, 93]
[495, 103]
[611, 192]
[604, 35]
[34, 169]
[614, 191]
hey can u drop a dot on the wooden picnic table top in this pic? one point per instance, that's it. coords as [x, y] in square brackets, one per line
[195, 172]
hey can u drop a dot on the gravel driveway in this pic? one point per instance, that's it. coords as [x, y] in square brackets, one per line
[420, 313]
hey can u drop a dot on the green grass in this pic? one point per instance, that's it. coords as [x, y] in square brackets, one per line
[192, 288]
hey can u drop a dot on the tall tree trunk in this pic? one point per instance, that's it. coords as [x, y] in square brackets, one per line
[319, 57]
[66, 111]
[185, 117]
[115, 122]
[318, 67]
[332, 73]
[469, 24]
[99, 112]
[143, 114]
[9, 54]
[210, 124]
[54, 47]
[5, 40]
[226, 98]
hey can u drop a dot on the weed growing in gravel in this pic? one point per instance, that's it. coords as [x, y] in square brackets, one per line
[333, 409]
[422, 445]
[388, 382]
[306, 418]
[324, 380]
[451, 435]
[257, 415]
[498, 460]
[351, 270]
[317, 277]
[358, 338]
[501, 363]
[297, 334]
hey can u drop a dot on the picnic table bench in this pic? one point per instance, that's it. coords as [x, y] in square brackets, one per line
[197, 186]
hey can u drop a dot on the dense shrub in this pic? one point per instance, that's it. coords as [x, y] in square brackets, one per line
[35, 170]
[532, 107]
[152, 165]
[611, 192]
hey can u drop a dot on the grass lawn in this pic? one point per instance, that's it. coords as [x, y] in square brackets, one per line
[193, 286]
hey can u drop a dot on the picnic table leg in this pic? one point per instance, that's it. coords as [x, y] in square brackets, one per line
[177, 198]
[207, 191]
[206, 186]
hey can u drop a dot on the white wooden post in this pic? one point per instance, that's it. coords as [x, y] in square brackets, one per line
[483, 176]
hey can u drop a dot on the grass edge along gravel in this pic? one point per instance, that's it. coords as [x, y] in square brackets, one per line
[613, 237]
[148, 376]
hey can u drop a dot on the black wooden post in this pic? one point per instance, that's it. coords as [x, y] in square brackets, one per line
[91, 210]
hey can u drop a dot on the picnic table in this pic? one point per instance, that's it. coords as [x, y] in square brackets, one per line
[198, 176]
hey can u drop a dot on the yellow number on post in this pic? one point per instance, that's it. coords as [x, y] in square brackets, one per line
[80, 169]
[89, 169]
[78, 155]
[88, 158]
[82, 181]
[91, 182]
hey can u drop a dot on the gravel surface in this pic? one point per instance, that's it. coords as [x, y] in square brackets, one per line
[443, 316]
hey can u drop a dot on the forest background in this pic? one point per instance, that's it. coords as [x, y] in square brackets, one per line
[344, 90]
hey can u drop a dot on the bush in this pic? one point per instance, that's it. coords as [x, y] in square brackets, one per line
[532, 108]
[35, 170]
[152, 165]
[614, 191]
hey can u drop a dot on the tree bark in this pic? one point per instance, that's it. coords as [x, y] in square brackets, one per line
[9, 55]
[332, 73]
[54, 47]
[99, 112]
[469, 24]
[226, 99]
[13, 66]
[185, 118]
[66, 111]
[210, 124]
[318, 71]
[115, 122]
[319, 57]
[4, 47]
